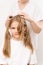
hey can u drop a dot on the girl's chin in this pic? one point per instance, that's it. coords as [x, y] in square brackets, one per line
[17, 37]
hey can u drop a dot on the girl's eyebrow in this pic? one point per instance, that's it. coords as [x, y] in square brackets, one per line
[12, 27]
[21, 15]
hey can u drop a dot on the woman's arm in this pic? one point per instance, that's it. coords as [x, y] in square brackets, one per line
[40, 22]
[35, 26]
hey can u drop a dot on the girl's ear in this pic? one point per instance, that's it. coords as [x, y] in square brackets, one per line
[10, 32]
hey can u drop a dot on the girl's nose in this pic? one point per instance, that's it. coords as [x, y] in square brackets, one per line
[16, 30]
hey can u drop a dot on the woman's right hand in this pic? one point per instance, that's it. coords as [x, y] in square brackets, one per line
[8, 20]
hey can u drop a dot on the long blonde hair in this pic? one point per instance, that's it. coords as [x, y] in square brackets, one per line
[22, 29]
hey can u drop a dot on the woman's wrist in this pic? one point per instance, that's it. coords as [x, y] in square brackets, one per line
[30, 20]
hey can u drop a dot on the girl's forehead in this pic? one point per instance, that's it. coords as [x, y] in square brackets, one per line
[14, 24]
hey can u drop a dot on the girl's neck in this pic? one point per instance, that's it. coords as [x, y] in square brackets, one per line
[17, 39]
[20, 38]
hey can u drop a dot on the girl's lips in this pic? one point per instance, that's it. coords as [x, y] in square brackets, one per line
[16, 34]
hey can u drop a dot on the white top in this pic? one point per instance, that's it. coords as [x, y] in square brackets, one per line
[20, 55]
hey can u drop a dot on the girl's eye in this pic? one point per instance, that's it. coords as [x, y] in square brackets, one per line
[13, 28]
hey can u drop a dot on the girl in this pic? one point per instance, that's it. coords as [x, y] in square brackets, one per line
[18, 48]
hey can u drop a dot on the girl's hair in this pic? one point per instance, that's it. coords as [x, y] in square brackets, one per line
[22, 29]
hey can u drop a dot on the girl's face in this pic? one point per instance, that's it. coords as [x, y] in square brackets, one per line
[14, 30]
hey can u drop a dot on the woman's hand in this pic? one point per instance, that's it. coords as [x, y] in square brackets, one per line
[8, 21]
[24, 15]
[35, 26]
